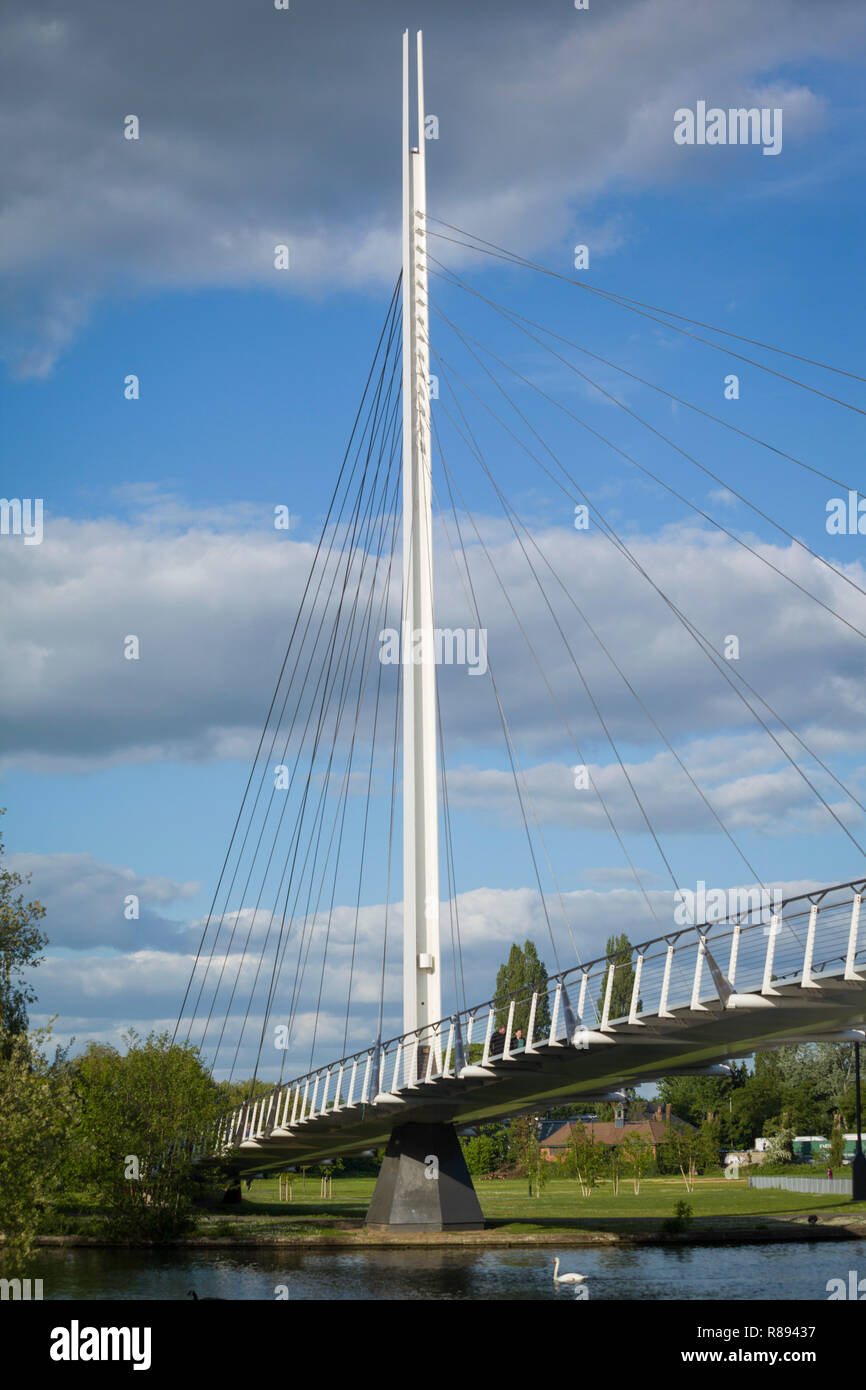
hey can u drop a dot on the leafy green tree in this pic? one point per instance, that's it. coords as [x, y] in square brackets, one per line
[679, 1152]
[521, 975]
[485, 1151]
[140, 1113]
[637, 1152]
[584, 1160]
[37, 1106]
[525, 1148]
[781, 1146]
[21, 944]
[620, 949]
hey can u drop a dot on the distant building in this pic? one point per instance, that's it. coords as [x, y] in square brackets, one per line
[556, 1133]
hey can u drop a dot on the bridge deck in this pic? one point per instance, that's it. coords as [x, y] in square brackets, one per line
[800, 977]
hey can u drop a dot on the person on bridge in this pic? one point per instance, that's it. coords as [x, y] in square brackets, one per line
[497, 1042]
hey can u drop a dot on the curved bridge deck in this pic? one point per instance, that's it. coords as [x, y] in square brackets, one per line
[697, 996]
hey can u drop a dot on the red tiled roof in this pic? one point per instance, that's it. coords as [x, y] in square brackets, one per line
[606, 1132]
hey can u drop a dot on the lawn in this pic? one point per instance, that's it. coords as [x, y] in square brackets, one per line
[716, 1204]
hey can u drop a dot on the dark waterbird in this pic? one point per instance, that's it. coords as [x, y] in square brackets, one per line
[207, 1298]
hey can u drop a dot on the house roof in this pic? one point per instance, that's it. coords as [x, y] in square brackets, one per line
[606, 1132]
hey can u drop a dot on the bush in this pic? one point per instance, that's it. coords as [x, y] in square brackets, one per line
[680, 1221]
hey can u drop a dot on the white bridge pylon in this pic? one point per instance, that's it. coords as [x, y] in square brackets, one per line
[422, 990]
[699, 996]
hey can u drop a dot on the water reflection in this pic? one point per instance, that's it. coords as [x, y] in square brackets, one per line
[746, 1273]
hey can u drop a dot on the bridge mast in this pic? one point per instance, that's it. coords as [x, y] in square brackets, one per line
[422, 993]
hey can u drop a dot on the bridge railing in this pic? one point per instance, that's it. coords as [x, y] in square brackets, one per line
[754, 951]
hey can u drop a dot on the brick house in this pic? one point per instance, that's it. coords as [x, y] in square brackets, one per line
[554, 1142]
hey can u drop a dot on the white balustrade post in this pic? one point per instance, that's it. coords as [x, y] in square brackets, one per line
[635, 992]
[554, 1017]
[486, 1053]
[696, 1005]
[772, 933]
[850, 972]
[530, 1029]
[608, 994]
[506, 1051]
[664, 1011]
[735, 951]
[807, 982]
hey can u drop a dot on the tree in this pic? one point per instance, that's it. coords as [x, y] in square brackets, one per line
[485, 1151]
[525, 1147]
[781, 1146]
[637, 1151]
[522, 975]
[679, 1151]
[837, 1143]
[584, 1159]
[619, 949]
[140, 1114]
[37, 1106]
[21, 943]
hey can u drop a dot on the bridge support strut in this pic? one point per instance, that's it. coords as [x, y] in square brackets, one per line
[424, 1184]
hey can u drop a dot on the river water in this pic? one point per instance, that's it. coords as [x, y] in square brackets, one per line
[744, 1273]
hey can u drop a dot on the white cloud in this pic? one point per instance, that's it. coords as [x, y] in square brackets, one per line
[265, 127]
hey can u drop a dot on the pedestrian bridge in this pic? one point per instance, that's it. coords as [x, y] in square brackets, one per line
[697, 997]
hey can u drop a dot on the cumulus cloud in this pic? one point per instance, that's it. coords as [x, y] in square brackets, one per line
[104, 995]
[260, 126]
[213, 601]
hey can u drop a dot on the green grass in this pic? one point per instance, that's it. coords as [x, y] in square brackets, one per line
[715, 1202]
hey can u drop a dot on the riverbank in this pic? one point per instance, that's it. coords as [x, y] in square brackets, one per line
[722, 1213]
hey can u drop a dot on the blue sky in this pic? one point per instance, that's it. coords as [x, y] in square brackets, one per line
[158, 512]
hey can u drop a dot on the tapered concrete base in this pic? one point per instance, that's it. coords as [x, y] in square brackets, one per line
[424, 1184]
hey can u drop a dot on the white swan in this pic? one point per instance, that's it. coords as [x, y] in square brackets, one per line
[566, 1278]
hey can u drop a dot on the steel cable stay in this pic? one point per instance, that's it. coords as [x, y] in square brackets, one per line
[512, 517]
[347, 660]
[697, 323]
[363, 852]
[309, 918]
[632, 306]
[518, 775]
[672, 444]
[566, 725]
[357, 545]
[592, 781]
[324, 674]
[309, 666]
[611, 534]
[514, 761]
[521, 628]
[317, 823]
[390, 319]
[642, 809]
[363, 641]
[449, 276]
[806, 748]
[464, 339]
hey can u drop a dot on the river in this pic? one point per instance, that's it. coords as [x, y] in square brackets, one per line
[745, 1273]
